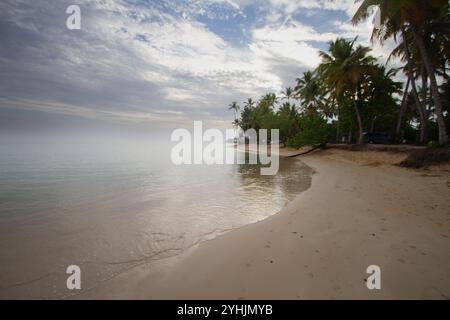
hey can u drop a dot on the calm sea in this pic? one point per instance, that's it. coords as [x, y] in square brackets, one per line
[109, 207]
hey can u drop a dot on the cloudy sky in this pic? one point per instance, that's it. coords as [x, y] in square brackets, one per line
[159, 63]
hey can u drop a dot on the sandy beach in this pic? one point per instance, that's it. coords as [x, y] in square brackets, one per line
[360, 211]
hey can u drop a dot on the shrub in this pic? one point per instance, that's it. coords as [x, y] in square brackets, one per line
[313, 131]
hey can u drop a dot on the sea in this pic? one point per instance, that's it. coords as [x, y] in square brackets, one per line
[110, 205]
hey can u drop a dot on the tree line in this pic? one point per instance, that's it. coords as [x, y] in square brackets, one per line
[350, 93]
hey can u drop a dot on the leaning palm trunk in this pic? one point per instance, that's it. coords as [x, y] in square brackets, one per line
[424, 88]
[403, 108]
[360, 123]
[422, 113]
[420, 106]
[443, 136]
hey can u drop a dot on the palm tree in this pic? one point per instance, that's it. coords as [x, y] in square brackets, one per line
[310, 92]
[288, 110]
[250, 103]
[246, 120]
[234, 106]
[380, 95]
[344, 71]
[410, 56]
[303, 82]
[402, 111]
[268, 101]
[413, 15]
[287, 94]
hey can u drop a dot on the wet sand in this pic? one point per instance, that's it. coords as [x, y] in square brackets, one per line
[358, 212]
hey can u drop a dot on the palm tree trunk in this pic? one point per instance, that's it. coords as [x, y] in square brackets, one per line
[443, 136]
[422, 113]
[403, 108]
[425, 100]
[424, 88]
[360, 124]
[338, 125]
[420, 107]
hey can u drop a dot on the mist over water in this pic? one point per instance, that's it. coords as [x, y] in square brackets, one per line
[110, 204]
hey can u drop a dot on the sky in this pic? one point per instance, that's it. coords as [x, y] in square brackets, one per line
[158, 64]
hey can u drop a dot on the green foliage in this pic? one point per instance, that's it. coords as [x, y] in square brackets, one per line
[314, 130]
[351, 93]
[421, 30]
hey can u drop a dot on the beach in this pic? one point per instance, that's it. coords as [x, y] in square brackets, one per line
[319, 246]
[239, 150]
[358, 212]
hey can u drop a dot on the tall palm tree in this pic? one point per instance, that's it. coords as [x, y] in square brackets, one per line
[398, 16]
[408, 54]
[234, 106]
[344, 70]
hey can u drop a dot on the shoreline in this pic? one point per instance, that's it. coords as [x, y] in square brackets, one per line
[319, 246]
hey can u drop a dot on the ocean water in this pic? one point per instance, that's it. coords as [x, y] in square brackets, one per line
[109, 207]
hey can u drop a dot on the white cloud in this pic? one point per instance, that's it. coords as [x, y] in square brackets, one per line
[133, 61]
[291, 6]
[364, 32]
